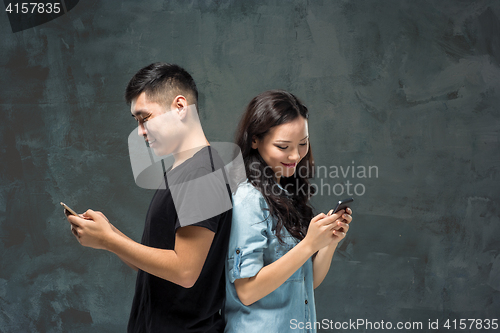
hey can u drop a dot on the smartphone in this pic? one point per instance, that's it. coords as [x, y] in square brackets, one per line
[69, 209]
[343, 204]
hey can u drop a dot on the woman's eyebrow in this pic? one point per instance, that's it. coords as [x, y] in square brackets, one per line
[284, 141]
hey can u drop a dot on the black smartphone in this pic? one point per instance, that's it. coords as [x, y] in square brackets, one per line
[343, 204]
[71, 211]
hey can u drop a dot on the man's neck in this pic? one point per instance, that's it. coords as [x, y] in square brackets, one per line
[186, 154]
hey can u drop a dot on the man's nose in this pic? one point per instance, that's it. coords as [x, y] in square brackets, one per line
[141, 130]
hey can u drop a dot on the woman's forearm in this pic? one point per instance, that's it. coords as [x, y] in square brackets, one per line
[321, 263]
[270, 277]
[323, 259]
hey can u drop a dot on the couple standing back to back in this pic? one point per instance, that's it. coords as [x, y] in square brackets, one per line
[249, 268]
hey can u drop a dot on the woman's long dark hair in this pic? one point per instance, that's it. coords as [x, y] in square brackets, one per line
[292, 210]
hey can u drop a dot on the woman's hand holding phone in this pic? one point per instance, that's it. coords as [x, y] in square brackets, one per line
[323, 257]
[346, 218]
[343, 220]
[322, 230]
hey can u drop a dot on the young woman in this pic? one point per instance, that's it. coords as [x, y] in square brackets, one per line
[278, 252]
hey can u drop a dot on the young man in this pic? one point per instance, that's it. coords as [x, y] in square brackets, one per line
[180, 261]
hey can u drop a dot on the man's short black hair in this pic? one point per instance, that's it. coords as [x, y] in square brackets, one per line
[162, 82]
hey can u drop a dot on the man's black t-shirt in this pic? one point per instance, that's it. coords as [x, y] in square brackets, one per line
[160, 305]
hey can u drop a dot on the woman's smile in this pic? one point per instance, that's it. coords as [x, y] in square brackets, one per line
[289, 165]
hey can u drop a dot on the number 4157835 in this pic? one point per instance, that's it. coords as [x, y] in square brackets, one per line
[34, 7]
[471, 324]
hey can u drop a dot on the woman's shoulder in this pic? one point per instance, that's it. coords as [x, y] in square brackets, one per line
[248, 194]
[249, 205]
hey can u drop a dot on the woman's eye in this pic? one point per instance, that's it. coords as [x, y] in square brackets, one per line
[303, 144]
[283, 148]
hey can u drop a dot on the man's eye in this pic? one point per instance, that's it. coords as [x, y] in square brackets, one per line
[142, 120]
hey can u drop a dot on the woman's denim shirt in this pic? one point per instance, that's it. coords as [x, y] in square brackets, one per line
[253, 245]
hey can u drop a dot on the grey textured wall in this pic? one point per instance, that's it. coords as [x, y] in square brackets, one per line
[409, 87]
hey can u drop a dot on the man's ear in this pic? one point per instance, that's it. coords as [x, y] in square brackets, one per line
[179, 102]
[180, 105]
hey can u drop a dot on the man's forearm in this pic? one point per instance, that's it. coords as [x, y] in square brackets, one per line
[159, 262]
[121, 258]
[181, 266]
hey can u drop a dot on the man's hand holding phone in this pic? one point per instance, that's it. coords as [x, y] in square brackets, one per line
[68, 211]
[91, 228]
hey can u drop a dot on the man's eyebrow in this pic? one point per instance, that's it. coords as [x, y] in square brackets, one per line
[137, 113]
[284, 141]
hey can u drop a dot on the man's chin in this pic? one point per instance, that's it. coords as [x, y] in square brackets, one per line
[160, 152]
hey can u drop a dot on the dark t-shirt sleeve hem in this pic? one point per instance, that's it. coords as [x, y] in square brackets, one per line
[211, 223]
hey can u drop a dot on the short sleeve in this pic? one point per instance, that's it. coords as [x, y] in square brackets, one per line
[248, 238]
[200, 198]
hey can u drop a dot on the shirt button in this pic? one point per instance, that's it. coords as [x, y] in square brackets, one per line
[306, 301]
[237, 251]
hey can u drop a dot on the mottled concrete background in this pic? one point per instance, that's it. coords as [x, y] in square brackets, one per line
[411, 87]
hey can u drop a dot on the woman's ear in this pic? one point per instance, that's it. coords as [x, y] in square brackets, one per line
[255, 142]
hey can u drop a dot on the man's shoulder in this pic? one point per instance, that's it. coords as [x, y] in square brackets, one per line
[199, 193]
[196, 166]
